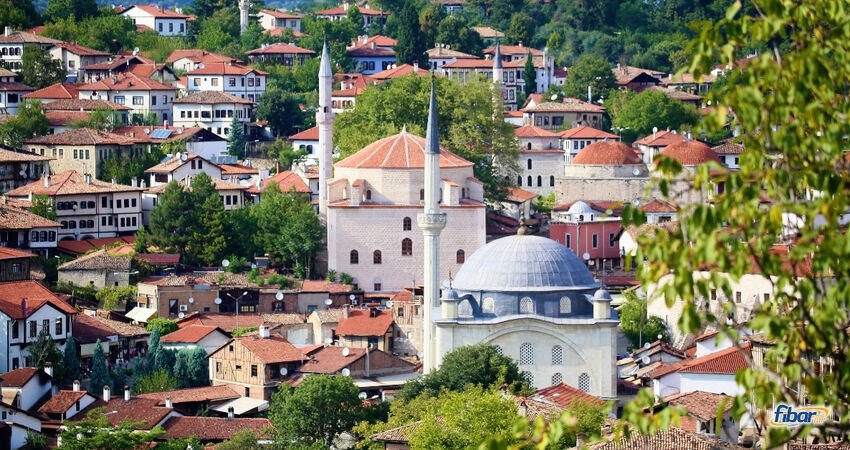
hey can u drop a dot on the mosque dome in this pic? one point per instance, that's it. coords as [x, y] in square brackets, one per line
[580, 207]
[400, 151]
[690, 153]
[523, 263]
[607, 153]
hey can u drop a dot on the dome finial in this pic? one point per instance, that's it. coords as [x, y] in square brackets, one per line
[404, 128]
[522, 230]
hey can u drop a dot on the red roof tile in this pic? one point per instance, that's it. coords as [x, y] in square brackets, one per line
[57, 91]
[213, 428]
[273, 349]
[286, 181]
[400, 151]
[13, 253]
[726, 361]
[159, 258]
[280, 14]
[238, 169]
[513, 50]
[658, 206]
[672, 439]
[585, 132]
[397, 72]
[13, 294]
[191, 334]
[310, 134]
[62, 401]
[67, 183]
[81, 136]
[280, 48]
[520, 195]
[565, 395]
[19, 377]
[530, 131]
[191, 395]
[690, 153]
[12, 218]
[85, 245]
[343, 10]
[158, 12]
[126, 82]
[202, 56]
[607, 153]
[216, 68]
[702, 405]
[324, 286]
[331, 360]
[660, 139]
[78, 49]
[136, 410]
[365, 322]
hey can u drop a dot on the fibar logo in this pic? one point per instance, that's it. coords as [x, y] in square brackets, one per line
[789, 416]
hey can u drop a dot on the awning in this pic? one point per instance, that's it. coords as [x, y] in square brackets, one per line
[384, 382]
[9, 396]
[242, 405]
[141, 314]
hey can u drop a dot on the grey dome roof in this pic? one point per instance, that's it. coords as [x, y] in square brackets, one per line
[523, 263]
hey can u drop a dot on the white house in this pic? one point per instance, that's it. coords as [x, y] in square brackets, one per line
[25, 387]
[271, 19]
[11, 92]
[307, 140]
[713, 372]
[159, 19]
[142, 95]
[206, 337]
[73, 56]
[541, 159]
[12, 45]
[234, 79]
[729, 153]
[26, 308]
[20, 422]
[370, 15]
[577, 138]
[441, 55]
[67, 403]
[212, 110]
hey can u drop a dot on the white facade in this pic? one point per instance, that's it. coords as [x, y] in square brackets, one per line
[216, 118]
[539, 169]
[162, 21]
[270, 20]
[242, 82]
[17, 334]
[20, 422]
[140, 102]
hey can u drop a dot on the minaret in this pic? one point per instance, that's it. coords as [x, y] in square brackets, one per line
[325, 121]
[243, 15]
[498, 71]
[432, 222]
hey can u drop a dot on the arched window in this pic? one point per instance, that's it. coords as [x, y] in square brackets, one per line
[368, 194]
[565, 305]
[526, 306]
[529, 159]
[530, 181]
[421, 194]
[551, 180]
[539, 181]
[557, 355]
[354, 257]
[462, 192]
[461, 257]
[519, 181]
[488, 305]
[557, 379]
[406, 224]
[464, 309]
[406, 247]
[499, 349]
[584, 382]
[376, 257]
[529, 377]
[526, 354]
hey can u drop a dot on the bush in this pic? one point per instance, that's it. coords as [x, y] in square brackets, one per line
[239, 331]
[331, 276]
[165, 325]
[345, 278]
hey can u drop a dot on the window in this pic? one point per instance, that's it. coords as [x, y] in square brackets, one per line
[119, 99]
[421, 194]
[170, 27]
[551, 180]
[611, 240]
[181, 27]
[218, 366]
[87, 153]
[232, 82]
[499, 349]
[214, 82]
[584, 382]
[595, 240]
[160, 27]
[197, 81]
[253, 370]
[406, 224]
[400, 312]
[526, 354]
[138, 100]
[153, 99]
[238, 368]
[230, 349]
[377, 286]
[565, 305]
[526, 306]
[376, 257]
[33, 329]
[539, 181]
[17, 268]
[247, 392]
[58, 325]
[519, 180]
[354, 257]
[16, 333]
[557, 378]
[461, 257]
[767, 296]
[530, 181]
[528, 163]
[126, 202]
[488, 305]
[34, 236]
[368, 194]
[406, 247]
[557, 355]
[737, 296]
[714, 294]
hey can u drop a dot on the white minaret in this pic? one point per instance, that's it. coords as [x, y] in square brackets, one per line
[243, 15]
[432, 222]
[498, 71]
[325, 121]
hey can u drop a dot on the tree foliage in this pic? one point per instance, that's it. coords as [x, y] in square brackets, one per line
[455, 32]
[521, 29]
[39, 69]
[590, 71]
[99, 375]
[113, 296]
[207, 243]
[172, 220]
[19, 14]
[29, 121]
[529, 75]
[70, 362]
[44, 350]
[158, 381]
[637, 326]
[76, 9]
[316, 411]
[411, 42]
[96, 432]
[244, 439]
[287, 227]
[163, 325]
[647, 110]
[43, 206]
[282, 111]
[236, 140]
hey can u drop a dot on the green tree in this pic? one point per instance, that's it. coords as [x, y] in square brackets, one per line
[236, 140]
[77, 9]
[157, 381]
[107, 32]
[154, 348]
[119, 380]
[19, 14]
[355, 17]
[244, 439]
[478, 364]
[282, 151]
[429, 21]
[163, 326]
[113, 296]
[181, 370]
[282, 111]
[30, 121]
[36, 440]
[197, 367]
[70, 362]
[544, 204]
[455, 32]
[220, 32]
[173, 220]
[637, 326]
[529, 75]
[44, 350]
[39, 69]
[553, 433]
[191, 443]
[100, 119]
[99, 376]
[43, 206]
[321, 407]
[207, 243]
[651, 109]
[240, 222]
[288, 228]
[521, 29]
[590, 71]
[411, 44]
[95, 432]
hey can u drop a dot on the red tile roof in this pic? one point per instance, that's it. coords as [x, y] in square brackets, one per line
[238, 169]
[19, 377]
[286, 181]
[690, 153]
[273, 349]
[81, 136]
[202, 56]
[659, 206]
[12, 218]
[369, 51]
[565, 395]
[520, 195]
[79, 104]
[310, 134]
[80, 50]
[331, 360]
[158, 12]
[607, 153]
[13, 253]
[62, 401]
[280, 48]
[702, 405]
[379, 40]
[585, 132]
[726, 361]
[216, 68]
[672, 439]
[343, 10]
[530, 131]
[85, 245]
[324, 286]
[568, 105]
[69, 182]
[660, 139]
[126, 82]
[136, 410]
[212, 98]
[397, 72]
[365, 322]
[213, 428]
[13, 294]
[278, 32]
[400, 151]
[280, 14]
[159, 258]
[192, 395]
[58, 91]
[513, 50]
[191, 334]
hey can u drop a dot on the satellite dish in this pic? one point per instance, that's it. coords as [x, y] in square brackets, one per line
[217, 301]
[279, 296]
[328, 341]
[635, 172]
[636, 202]
[554, 97]
[389, 304]
[660, 337]
[346, 372]
[328, 301]
[147, 130]
[135, 51]
[22, 173]
[191, 299]
[183, 157]
[253, 266]
[362, 396]
[283, 371]
[420, 355]
[225, 263]
[585, 256]
[346, 351]
[645, 360]
[647, 345]
[181, 315]
[351, 297]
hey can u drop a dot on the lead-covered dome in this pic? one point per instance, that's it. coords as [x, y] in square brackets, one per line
[523, 263]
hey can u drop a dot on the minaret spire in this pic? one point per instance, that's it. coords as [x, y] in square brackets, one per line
[498, 71]
[432, 222]
[244, 6]
[325, 120]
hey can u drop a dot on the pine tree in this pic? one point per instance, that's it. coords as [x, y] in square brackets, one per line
[119, 380]
[208, 244]
[181, 369]
[44, 350]
[236, 140]
[154, 348]
[197, 367]
[99, 376]
[411, 42]
[173, 220]
[70, 362]
[529, 75]
[356, 18]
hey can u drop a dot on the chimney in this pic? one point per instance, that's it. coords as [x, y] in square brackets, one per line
[25, 310]
[76, 385]
[373, 45]
[46, 179]
[344, 7]
[3, 200]
[264, 332]
[415, 67]
[126, 393]
[106, 394]
[345, 309]
[143, 184]
[368, 351]
[165, 124]
[114, 180]
[7, 31]
[277, 166]
[169, 403]
[230, 412]
[48, 368]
